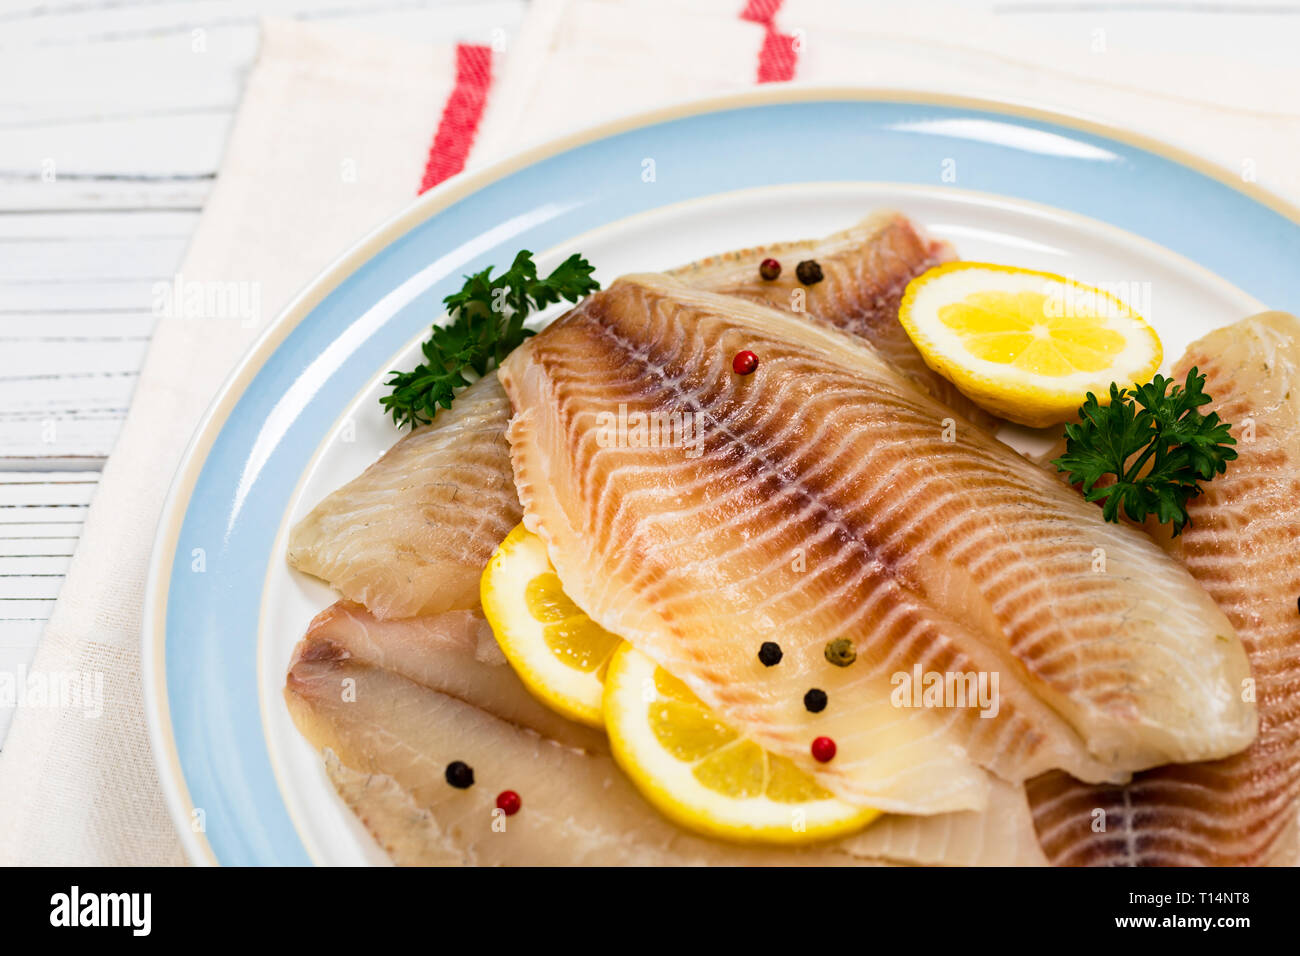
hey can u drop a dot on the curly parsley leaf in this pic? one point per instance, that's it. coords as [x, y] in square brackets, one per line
[486, 323]
[1151, 445]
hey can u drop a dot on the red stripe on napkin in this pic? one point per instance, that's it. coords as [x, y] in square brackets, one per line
[461, 115]
[777, 58]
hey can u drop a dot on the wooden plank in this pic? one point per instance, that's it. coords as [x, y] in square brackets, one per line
[82, 434]
[28, 589]
[25, 609]
[46, 489]
[208, 80]
[42, 514]
[20, 636]
[140, 147]
[41, 359]
[30, 531]
[40, 546]
[104, 23]
[76, 326]
[19, 228]
[40, 518]
[33, 565]
[69, 258]
[124, 195]
[107, 293]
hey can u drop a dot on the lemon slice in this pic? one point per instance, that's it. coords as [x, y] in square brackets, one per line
[1026, 345]
[558, 652]
[705, 776]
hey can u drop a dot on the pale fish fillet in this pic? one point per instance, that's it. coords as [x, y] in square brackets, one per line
[1243, 546]
[413, 533]
[826, 499]
[453, 653]
[866, 269]
[388, 746]
[1002, 834]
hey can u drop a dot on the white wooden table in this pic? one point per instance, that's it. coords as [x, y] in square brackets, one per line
[113, 115]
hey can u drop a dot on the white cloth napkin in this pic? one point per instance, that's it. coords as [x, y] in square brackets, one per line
[334, 135]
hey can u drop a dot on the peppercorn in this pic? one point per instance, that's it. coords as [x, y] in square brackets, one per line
[508, 802]
[744, 362]
[841, 652]
[460, 775]
[815, 700]
[769, 269]
[769, 652]
[809, 272]
[823, 749]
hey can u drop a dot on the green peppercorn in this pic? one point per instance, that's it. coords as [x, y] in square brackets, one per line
[841, 652]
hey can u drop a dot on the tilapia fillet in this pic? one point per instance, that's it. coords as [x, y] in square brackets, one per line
[448, 657]
[866, 269]
[1002, 834]
[452, 653]
[391, 703]
[413, 533]
[826, 499]
[1243, 546]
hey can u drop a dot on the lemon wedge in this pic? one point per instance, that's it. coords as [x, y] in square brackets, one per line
[1026, 345]
[558, 652]
[705, 776]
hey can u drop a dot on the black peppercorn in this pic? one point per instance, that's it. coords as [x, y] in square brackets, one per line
[460, 775]
[808, 272]
[770, 653]
[815, 700]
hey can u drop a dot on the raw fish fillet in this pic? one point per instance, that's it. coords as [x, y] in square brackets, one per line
[388, 743]
[413, 533]
[866, 269]
[453, 653]
[1243, 546]
[1002, 834]
[827, 497]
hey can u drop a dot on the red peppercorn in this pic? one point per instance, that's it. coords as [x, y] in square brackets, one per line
[823, 749]
[744, 362]
[508, 802]
[769, 269]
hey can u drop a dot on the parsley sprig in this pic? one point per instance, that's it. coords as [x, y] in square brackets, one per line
[486, 323]
[1154, 442]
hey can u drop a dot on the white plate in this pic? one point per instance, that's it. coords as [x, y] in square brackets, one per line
[1181, 299]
